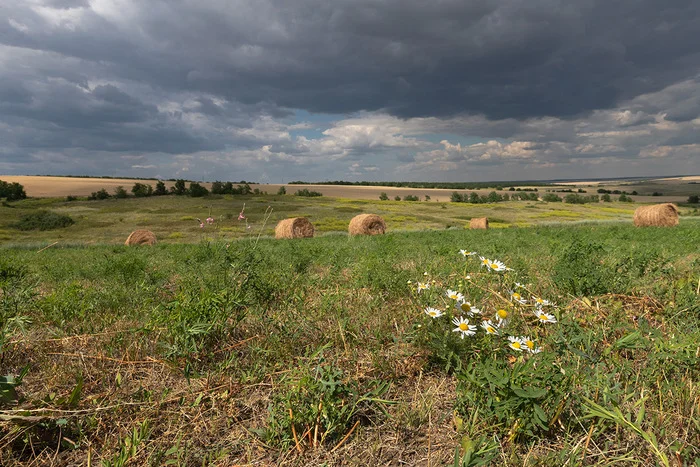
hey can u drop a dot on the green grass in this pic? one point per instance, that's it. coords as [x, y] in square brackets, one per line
[173, 219]
[247, 352]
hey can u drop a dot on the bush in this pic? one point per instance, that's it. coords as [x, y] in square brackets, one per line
[457, 198]
[100, 194]
[141, 190]
[197, 190]
[179, 188]
[383, 196]
[283, 191]
[397, 198]
[71, 198]
[43, 220]
[694, 199]
[160, 189]
[120, 193]
[625, 199]
[411, 198]
[606, 198]
[307, 193]
[12, 191]
[551, 198]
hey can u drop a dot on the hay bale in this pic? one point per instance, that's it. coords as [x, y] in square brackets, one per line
[141, 237]
[659, 215]
[367, 224]
[295, 227]
[479, 223]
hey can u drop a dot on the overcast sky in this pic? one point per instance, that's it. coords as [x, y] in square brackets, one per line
[280, 90]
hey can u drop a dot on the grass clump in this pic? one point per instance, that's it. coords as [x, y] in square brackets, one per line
[44, 220]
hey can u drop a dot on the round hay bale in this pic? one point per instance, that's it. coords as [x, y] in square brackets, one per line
[658, 215]
[141, 237]
[479, 223]
[295, 227]
[367, 224]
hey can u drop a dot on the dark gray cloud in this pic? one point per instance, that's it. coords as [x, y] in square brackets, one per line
[221, 80]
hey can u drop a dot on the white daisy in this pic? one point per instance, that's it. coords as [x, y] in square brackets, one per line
[530, 345]
[464, 306]
[484, 261]
[518, 285]
[540, 301]
[433, 312]
[423, 286]
[454, 295]
[516, 297]
[463, 327]
[466, 253]
[489, 327]
[515, 343]
[544, 317]
[502, 317]
[497, 266]
[474, 311]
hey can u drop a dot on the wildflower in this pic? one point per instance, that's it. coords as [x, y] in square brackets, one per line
[454, 295]
[530, 345]
[518, 285]
[516, 297]
[489, 327]
[464, 305]
[466, 253]
[541, 301]
[425, 273]
[201, 225]
[497, 266]
[463, 327]
[468, 277]
[474, 311]
[210, 220]
[409, 282]
[484, 261]
[515, 343]
[502, 315]
[544, 317]
[433, 312]
[423, 286]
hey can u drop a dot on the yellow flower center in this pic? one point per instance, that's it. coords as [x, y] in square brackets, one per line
[465, 307]
[544, 317]
[463, 327]
[530, 344]
[453, 297]
[432, 313]
[503, 314]
[485, 261]
[494, 266]
[539, 300]
[515, 345]
[490, 330]
[516, 296]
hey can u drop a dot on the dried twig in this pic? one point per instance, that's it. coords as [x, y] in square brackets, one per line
[48, 246]
[294, 431]
[340, 443]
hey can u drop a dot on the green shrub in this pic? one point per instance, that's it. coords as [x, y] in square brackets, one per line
[120, 193]
[410, 198]
[282, 191]
[44, 220]
[306, 192]
[12, 191]
[197, 191]
[383, 196]
[551, 198]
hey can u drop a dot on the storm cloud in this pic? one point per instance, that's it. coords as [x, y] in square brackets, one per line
[349, 88]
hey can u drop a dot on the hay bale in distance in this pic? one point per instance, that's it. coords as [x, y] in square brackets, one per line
[367, 224]
[295, 227]
[141, 237]
[658, 215]
[479, 223]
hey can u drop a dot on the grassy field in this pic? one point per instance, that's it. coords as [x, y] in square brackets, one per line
[174, 219]
[320, 352]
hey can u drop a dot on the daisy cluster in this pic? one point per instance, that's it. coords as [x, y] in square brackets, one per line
[469, 319]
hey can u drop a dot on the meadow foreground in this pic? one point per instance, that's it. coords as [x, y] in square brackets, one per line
[356, 351]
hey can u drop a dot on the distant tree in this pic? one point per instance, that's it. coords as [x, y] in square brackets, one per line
[457, 198]
[397, 198]
[383, 196]
[625, 199]
[473, 198]
[12, 191]
[217, 188]
[197, 190]
[282, 191]
[427, 197]
[511, 189]
[606, 198]
[120, 192]
[141, 190]
[160, 189]
[694, 199]
[494, 197]
[307, 193]
[410, 198]
[179, 188]
[551, 198]
[657, 193]
[505, 196]
[228, 188]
